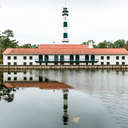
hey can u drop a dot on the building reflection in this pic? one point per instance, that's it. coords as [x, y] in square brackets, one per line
[12, 81]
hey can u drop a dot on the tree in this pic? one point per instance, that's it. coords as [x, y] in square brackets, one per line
[29, 46]
[119, 44]
[6, 41]
[105, 44]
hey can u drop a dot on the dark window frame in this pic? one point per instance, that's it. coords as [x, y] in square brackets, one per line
[9, 57]
[15, 57]
[25, 78]
[117, 57]
[123, 57]
[102, 57]
[9, 63]
[117, 63]
[108, 57]
[92, 57]
[108, 63]
[86, 57]
[102, 63]
[25, 63]
[30, 63]
[15, 78]
[123, 63]
[9, 78]
[31, 78]
[30, 57]
[15, 63]
[77, 58]
[25, 57]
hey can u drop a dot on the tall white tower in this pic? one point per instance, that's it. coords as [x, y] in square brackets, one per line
[65, 14]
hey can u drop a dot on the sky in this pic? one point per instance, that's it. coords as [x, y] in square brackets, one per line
[41, 21]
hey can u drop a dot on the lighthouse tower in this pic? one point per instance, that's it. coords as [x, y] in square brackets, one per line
[65, 14]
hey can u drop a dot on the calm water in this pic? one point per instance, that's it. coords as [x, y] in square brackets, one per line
[64, 99]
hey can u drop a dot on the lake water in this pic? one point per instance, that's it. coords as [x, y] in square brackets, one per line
[64, 99]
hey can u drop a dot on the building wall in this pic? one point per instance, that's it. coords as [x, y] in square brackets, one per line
[20, 76]
[20, 59]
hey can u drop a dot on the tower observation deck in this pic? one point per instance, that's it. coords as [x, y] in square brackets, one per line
[65, 14]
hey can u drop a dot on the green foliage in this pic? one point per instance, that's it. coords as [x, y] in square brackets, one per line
[7, 41]
[29, 46]
[119, 44]
[108, 44]
[105, 44]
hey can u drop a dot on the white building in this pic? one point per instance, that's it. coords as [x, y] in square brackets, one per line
[65, 54]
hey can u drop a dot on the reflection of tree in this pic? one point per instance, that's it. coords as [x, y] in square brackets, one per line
[7, 93]
[1, 77]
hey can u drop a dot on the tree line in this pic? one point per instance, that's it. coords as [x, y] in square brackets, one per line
[109, 44]
[7, 41]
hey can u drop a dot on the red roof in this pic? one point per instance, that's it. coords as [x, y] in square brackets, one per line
[64, 49]
[43, 85]
[63, 46]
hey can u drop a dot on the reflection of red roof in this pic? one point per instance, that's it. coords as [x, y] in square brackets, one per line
[65, 49]
[43, 85]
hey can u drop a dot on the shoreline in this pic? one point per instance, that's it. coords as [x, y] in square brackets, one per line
[86, 67]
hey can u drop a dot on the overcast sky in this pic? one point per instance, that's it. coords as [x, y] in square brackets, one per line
[40, 21]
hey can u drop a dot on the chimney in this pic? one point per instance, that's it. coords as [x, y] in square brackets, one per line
[90, 45]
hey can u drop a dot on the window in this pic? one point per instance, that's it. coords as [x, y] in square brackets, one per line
[65, 24]
[123, 57]
[25, 63]
[102, 57]
[108, 63]
[123, 63]
[71, 58]
[24, 57]
[46, 57]
[62, 59]
[117, 63]
[108, 57]
[30, 63]
[9, 63]
[9, 57]
[15, 78]
[117, 57]
[40, 58]
[15, 57]
[55, 58]
[31, 78]
[25, 78]
[86, 57]
[30, 57]
[65, 35]
[77, 57]
[24, 73]
[92, 57]
[9, 78]
[102, 63]
[15, 73]
[9, 73]
[15, 63]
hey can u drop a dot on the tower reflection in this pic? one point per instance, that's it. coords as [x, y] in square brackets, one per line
[65, 107]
